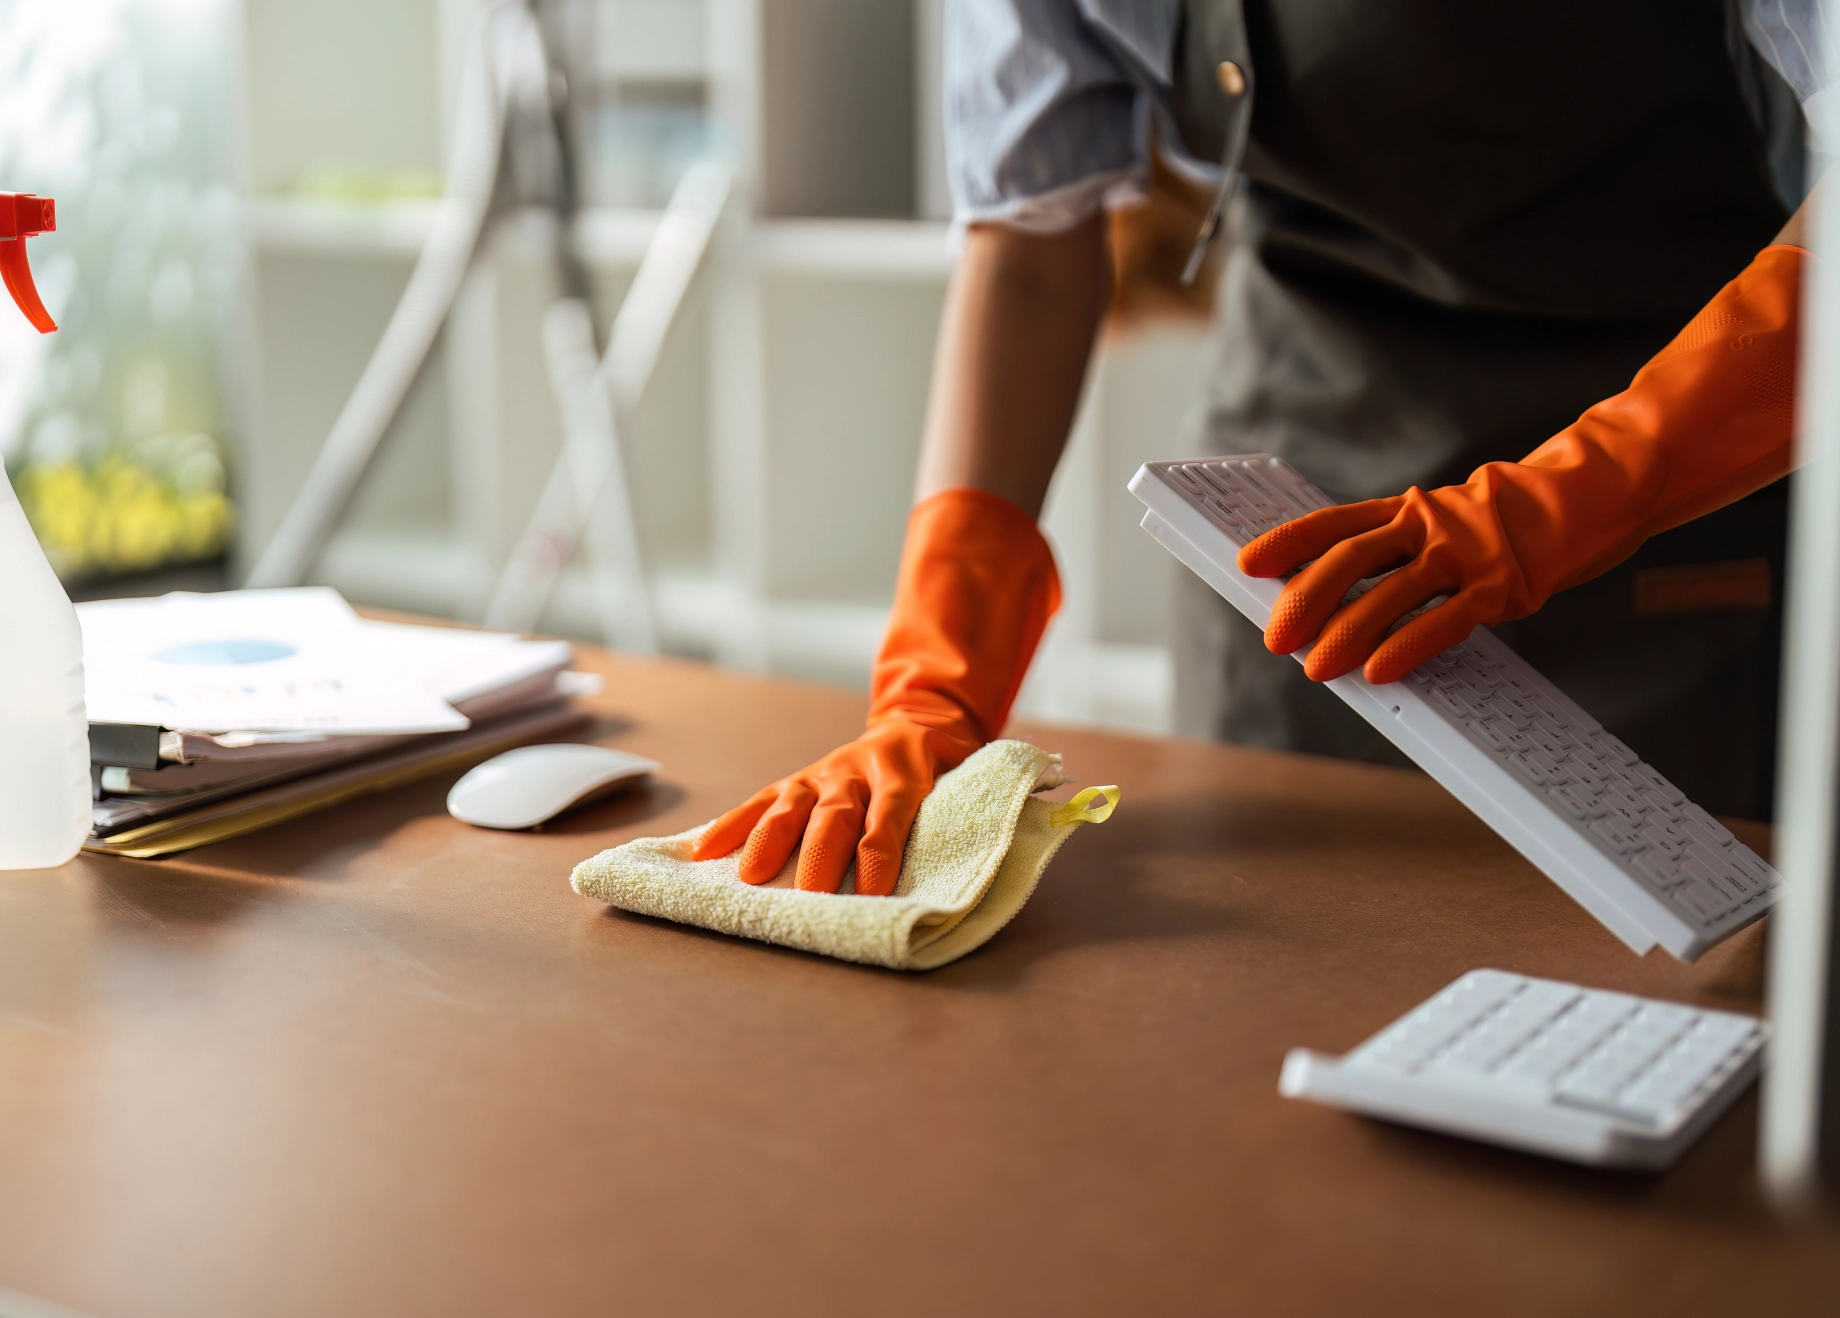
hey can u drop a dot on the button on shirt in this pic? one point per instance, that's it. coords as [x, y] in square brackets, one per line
[1049, 104]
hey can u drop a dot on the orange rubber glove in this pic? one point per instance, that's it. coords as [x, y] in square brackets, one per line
[976, 589]
[1707, 421]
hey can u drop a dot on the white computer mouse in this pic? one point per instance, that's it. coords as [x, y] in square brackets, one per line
[524, 787]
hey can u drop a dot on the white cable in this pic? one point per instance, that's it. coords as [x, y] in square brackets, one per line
[663, 280]
[587, 487]
[587, 490]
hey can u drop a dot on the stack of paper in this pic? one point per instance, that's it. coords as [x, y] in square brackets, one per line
[213, 715]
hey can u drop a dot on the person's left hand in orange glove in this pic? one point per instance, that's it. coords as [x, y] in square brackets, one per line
[1706, 422]
[976, 589]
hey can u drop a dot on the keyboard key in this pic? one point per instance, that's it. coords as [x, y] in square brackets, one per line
[1696, 1059]
[1481, 732]
[1705, 828]
[1546, 743]
[1614, 746]
[1445, 698]
[1661, 787]
[1529, 710]
[1616, 834]
[1721, 1031]
[1710, 867]
[1661, 870]
[1534, 767]
[1753, 866]
[1625, 802]
[1587, 769]
[1665, 1087]
[1576, 802]
[1507, 1028]
[1669, 1018]
[1513, 715]
[1731, 877]
[1664, 839]
[1548, 764]
[1600, 1078]
[1696, 893]
[1430, 1026]
[1631, 815]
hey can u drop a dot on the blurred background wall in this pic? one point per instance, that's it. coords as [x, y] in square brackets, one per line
[243, 187]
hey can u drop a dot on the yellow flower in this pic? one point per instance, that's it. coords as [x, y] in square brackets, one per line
[119, 517]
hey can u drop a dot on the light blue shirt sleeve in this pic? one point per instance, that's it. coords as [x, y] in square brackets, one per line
[1795, 36]
[1791, 35]
[1042, 118]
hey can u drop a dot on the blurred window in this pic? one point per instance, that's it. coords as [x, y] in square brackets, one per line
[112, 428]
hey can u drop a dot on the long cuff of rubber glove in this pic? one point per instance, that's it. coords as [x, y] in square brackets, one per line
[1708, 420]
[977, 587]
[976, 590]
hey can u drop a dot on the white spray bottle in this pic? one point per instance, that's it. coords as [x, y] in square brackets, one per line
[44, 732]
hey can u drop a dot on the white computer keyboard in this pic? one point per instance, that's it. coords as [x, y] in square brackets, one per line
[1553, 1068]
[1569, 796]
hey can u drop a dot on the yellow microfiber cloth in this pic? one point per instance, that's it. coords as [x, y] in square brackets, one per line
[977, 849]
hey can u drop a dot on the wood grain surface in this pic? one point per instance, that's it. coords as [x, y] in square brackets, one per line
[378, 1062]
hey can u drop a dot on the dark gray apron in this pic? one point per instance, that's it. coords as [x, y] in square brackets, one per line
[1456, 226]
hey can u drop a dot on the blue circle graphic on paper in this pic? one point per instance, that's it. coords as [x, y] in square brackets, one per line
[225, 652]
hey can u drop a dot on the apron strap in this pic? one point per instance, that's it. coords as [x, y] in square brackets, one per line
[1235, 81]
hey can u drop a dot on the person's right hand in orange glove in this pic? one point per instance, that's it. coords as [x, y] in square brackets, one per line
[976, 589]
[1705, 422]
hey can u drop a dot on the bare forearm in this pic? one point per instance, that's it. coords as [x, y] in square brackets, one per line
[1013, 347]
[1799, 231]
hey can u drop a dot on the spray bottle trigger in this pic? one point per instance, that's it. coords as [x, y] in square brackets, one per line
[23, 215]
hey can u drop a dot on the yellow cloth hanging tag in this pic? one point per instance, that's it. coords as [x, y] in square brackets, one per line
[1081, 809]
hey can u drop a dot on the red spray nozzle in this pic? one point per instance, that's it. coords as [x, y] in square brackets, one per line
[22, 216]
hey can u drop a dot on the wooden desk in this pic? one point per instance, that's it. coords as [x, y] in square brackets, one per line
[377, 1062]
